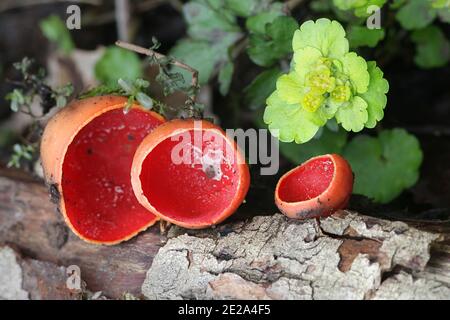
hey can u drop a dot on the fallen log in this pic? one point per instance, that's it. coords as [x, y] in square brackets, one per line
[346, 256]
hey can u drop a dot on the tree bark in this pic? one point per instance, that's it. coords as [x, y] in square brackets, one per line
[345, 256]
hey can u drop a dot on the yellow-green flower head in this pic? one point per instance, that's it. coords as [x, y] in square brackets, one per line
[325, 81]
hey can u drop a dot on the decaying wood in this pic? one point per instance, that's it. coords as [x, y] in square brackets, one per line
[30, 222]
[348, 256]
[23, 279]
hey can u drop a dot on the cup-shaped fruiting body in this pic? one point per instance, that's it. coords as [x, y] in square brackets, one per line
[87, 150]
[316, 188]
[190, 173]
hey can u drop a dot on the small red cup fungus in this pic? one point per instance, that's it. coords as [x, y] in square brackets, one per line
[316, 188]
[87, 149]
[190, 173]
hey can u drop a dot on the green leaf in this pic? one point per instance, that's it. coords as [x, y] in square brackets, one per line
[360, 36]
[261, 51]
[200, 55]
[144, 100]
[375, 96]
[265, 50]
[281, 30]
[257, 23]
[56, 31]
[354, 115]
[329, 142]
[359, 7]
[225, 76]
[242, 8]
[261, 87]
[324, 35]
[416, 14]
[289, 122]
[432, 47]
[212, 30]
[386, 165]
[17, 99]
[117, 63]
[207, 20]
[356, 68]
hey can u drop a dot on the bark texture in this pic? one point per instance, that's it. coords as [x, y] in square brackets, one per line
[346, 256]
[30, 222]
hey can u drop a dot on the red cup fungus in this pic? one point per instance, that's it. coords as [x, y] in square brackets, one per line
[190, 173]
[87, 150]
[316, 188]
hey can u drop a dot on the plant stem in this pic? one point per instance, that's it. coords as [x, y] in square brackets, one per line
[151, 53]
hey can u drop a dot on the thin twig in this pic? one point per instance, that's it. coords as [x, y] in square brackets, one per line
[151, 53]
[122, 13]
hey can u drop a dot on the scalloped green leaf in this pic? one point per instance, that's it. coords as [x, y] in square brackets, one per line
[257, 23]
[323, 34]
[416, 14]
[386, 165]
[289, 122]
[432, 47]
[267, 49]
[361, 36]
[355, 67]
[206, 22]
[289, 88]
[375, 96]
[353, 115]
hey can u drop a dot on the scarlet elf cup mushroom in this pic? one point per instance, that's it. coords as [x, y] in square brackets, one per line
[316, 188]
[190, 173]
[87, 150]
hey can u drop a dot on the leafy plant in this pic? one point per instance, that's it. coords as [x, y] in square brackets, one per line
[313, 86]
[215, 37]
[134, 91]
[21, 152]
[417, 14]
[360, 36]
[268, 47]
[326, 81]
[386, 165]
[359, 7]
[117, 63]
[433, 48]
[31, 86]
[56, 31]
